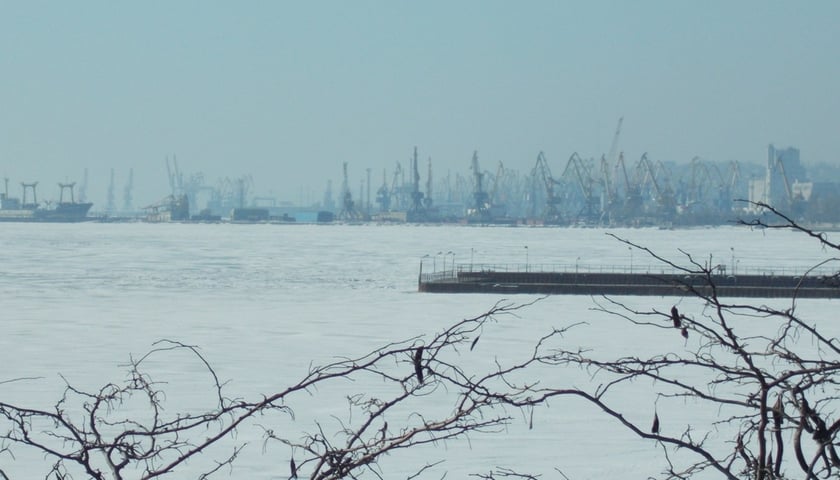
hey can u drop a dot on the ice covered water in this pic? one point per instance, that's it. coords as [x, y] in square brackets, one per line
[265, 301]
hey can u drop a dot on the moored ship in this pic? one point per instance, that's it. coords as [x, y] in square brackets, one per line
[14, 210]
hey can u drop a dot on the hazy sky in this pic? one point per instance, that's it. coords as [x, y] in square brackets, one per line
[287, 91]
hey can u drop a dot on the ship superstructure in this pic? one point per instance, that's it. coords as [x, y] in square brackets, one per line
[14, 209]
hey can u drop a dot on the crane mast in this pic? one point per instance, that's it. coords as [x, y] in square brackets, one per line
[551, 212]
[383, 196]
[417, 208]
[127, 192]
[614, 145]
[481, 207]
[348, 207]
[428, 200]
[583, 177]
[83, 187]
[111, 206]
[396, 188]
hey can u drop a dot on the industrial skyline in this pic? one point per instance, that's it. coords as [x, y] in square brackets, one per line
[613, 190]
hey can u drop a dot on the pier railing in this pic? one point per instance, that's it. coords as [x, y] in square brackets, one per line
[631, 280]
[452, 273]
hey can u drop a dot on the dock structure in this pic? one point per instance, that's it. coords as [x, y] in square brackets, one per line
[505, 280]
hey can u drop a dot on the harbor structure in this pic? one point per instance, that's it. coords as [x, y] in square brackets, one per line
[582, 280]
[14, 209]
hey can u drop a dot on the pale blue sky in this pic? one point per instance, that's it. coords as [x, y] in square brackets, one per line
[287, 91]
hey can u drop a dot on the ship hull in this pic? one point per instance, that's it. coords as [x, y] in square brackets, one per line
[62, 213]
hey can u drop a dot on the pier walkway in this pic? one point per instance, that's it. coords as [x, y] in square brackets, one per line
[511, 279]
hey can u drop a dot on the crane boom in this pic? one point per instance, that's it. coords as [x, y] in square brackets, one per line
[614, 145]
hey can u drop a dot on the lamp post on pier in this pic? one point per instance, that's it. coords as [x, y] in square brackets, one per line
[444, 260]
[420, 277]
[732, 250]
[526, 258]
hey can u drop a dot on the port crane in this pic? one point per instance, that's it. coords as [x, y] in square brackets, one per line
[397, 187]
[348, 206]
[480, 210]
[417, 208]
[580, 172]
[633, 202]
[428, 200]
[175, 177]
[127, 191]
[383, 196]
[500, 191]
[551, 211]
[796, 202]
[663, 196]
[610, 158]
[721, 196]
[463, 190]
[611, 205]
[730, 185]
[699, 179]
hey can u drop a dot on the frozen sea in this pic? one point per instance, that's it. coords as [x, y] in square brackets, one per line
[264, 302]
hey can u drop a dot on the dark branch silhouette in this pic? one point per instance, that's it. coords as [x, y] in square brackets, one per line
[85, 434]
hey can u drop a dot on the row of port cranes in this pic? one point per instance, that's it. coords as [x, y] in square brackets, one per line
[612, 190]
[609, 191]
[587, 192]
[190, 191]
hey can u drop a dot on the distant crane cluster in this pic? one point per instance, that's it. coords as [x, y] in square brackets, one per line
[607, 191]
[612, 190]
[588, 191]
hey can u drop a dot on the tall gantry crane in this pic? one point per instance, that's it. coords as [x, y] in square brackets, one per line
[614, 145]
[397, 189]
[428, 200]
[383, 196]
[127, 192]
[348, 212]
[581, 174]
[176, 178]
[731, 183]
[495, 196]
[663, 194]
[551, 210]
[417, 208]
[480, 210]
[633, 201]
[795, 201]
[611, 205]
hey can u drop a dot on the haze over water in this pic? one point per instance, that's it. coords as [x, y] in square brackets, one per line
[264, 302]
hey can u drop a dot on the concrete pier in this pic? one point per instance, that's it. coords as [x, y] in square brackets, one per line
[463, 280]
